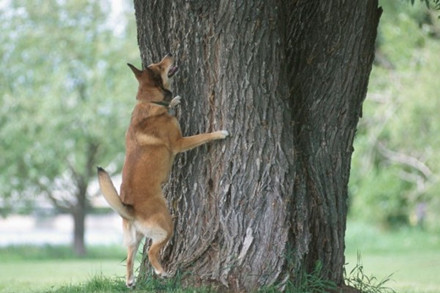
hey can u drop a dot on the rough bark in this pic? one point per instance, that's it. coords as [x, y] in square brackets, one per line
[331, 55]
[287, 79]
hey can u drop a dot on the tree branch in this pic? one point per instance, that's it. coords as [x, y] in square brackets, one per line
[405, 160]
[75, 175]
[60, 203]
[65, 207]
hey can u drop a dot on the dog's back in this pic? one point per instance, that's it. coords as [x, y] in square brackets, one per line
[149, 152]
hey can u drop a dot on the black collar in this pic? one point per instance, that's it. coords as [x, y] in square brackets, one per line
[167, 96]
[162, 103]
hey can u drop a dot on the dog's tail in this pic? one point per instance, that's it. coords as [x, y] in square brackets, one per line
[112, 197]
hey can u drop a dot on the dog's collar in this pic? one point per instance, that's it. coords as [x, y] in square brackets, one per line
[162, 103]
[167, 95]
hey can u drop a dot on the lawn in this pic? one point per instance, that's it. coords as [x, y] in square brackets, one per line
[41, 275]
[411, 256]
[38, 269]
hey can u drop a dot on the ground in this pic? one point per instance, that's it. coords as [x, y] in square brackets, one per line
[411, 256]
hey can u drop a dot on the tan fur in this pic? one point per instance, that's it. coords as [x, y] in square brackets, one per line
[152, 141]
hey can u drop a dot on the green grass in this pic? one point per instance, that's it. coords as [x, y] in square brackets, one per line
[103, 284]
[30, 252]
[96, 284]
[36, 269]
[37, 276]
[410, 256]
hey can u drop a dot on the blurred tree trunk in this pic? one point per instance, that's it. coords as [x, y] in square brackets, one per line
[79, 207]
[79, 218]
[77, 204]
[287, 79]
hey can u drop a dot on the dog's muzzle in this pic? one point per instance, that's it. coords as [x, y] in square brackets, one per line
[172, 71]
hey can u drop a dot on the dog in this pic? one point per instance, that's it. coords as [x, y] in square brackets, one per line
[152, 141]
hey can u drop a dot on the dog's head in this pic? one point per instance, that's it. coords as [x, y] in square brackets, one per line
[154, 81]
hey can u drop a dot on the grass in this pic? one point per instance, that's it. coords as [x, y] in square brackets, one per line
[36, 269]
[38, 276]
[102, 284]
[46, 252]
[96, 284]
[410, 256]
[357, 278]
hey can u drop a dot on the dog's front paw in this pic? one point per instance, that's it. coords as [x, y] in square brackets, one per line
[223, 134]
[175, 101]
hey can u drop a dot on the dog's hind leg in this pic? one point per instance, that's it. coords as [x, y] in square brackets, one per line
[159, 237]
[132, 240]
[132, 250]
[153, 256]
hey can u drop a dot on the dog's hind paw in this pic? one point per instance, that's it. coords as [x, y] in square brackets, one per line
[161, 274]
[130, 284]
[175, 101]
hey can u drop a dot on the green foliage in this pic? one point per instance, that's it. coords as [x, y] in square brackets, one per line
[395, 166]
[65, 103]
[381, 189]
[428, 3]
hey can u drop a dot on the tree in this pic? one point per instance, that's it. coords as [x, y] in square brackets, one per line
[287, 79]
[395, 176]
[61, 106]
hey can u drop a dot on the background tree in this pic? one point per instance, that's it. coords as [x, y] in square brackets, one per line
[287, 79]
[395, 177]
[63, 97]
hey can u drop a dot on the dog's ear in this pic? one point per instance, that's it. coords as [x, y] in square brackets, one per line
[136, 71]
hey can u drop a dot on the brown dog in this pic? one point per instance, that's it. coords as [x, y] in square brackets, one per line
[152, 141]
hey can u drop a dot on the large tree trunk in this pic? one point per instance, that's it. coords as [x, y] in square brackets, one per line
[330, 56]
[287, 79]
